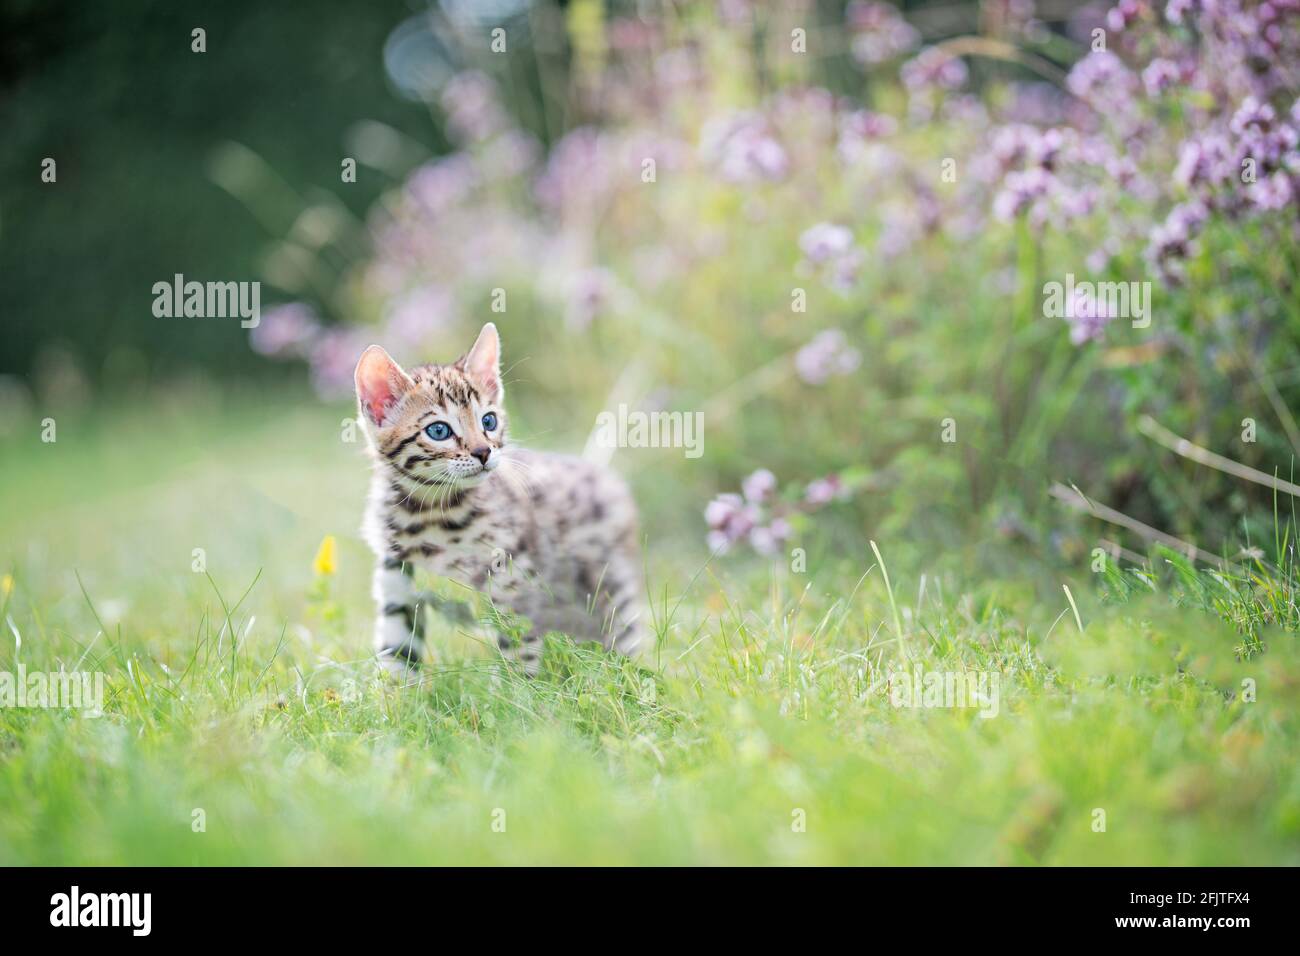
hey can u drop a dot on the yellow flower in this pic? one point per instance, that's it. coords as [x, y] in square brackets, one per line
[325, 562]
[6, 585]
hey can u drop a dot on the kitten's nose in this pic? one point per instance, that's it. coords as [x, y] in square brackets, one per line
[481, 453]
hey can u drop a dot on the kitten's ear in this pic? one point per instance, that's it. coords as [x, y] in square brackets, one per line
[483, 361]
[381, 383]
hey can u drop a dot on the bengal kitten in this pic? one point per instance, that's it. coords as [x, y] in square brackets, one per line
[548, 537]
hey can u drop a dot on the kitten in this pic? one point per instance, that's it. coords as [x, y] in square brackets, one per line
[548, 537]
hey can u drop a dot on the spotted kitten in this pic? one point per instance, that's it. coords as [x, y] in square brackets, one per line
[548, 537]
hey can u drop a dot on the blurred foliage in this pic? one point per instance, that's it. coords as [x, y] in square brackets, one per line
[522, 173]
[796, 265]
[132, 117]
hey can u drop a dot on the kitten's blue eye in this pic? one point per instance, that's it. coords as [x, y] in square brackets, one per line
[490, 421]
[438, 431]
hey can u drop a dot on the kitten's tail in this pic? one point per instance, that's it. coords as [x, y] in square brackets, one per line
[628, 389]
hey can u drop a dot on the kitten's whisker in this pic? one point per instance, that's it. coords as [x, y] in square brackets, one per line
[444, 495]
[440, 490]
[519, 474]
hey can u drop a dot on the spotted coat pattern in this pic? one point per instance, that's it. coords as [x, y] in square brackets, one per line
[550, 538]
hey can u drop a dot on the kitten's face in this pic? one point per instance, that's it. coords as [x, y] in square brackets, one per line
[436, 424]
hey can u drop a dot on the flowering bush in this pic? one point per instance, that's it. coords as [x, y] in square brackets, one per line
[831, 275]
[761, 516]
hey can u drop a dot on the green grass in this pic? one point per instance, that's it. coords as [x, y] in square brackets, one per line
[764, 705]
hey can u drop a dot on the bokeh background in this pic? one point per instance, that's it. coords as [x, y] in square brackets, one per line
[801, 246]
[826, 227]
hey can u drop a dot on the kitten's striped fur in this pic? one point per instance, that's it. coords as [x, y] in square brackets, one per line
[549, 537]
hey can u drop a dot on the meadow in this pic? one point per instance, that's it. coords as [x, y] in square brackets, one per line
[833, 235]
[245, 722]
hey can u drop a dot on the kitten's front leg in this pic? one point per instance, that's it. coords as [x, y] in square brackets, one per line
[527, 651]
[399, 630]
[510, 590]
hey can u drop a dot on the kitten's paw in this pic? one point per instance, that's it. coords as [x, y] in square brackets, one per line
[401, 670]
[526, 654]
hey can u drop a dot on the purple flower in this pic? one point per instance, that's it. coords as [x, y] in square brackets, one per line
[1045, 149]
[1270, 148]
[1020, 191]
[871, 125]
[719, 542]
[730, 519]
[1088, 317]
[1122, 169]
[1204, 160]
[443, 183]
[828, 354]
[285, 331]
[927, 74]
[933, 68]
[763, 541]
[824, 490]
[842, 275]
[824, 241]
[1099, 72]
[1012, 143]
[760, 517]
[858, 132]
[767, 540]
[1273, 192]
[1159, 76]
[743, 149]
[1041, 104]
[1188, 218]
[720, 510]
[879, 32]
[1252, 117]
[1075, 203]
[1122, 14]
[1172, 241]
[759, 486]
[830, 248]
